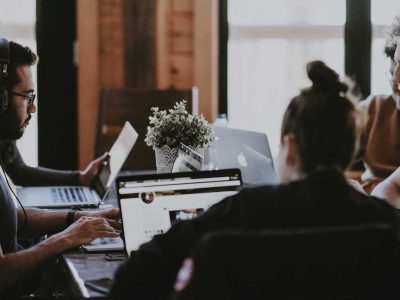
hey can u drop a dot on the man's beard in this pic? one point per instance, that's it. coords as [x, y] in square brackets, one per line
[10, 125]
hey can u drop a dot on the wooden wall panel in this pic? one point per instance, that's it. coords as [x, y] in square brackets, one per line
[181, 72]
[205, 55]
[163, 43]
[188, 55]
[112, 43]
[182, 34]
[175, 44]
[182, 6]
[88, 80]
[144, 44]
[140, 39]
[101, 63]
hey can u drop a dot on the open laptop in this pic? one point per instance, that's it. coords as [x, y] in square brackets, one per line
[79, 196]
[247, 150]
[151, 204]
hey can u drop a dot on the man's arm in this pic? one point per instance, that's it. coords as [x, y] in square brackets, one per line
[16, 266]
[389, 189]
[41, 221]
[24, 175]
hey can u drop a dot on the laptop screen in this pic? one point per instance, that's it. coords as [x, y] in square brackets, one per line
[117, 155]
[151, 204]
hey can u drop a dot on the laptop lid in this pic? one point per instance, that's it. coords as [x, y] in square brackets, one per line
[247, 150]
[151, 204]
[117, 155]
[258, 169]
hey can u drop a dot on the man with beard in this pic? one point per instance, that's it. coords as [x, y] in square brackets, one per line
[13, 123]
[17, 95]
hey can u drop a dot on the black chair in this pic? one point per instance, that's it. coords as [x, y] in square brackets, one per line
[346, 262]
[134, 105]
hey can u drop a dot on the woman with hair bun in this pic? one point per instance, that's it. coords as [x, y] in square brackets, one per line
[318, 141]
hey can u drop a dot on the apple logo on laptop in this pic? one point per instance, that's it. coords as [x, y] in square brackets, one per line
[242, 160]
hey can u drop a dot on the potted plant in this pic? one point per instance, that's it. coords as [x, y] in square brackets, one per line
[167, 129]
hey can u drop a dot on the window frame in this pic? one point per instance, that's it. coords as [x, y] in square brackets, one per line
[358, 37]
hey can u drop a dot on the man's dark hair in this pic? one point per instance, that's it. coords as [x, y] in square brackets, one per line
[19, 56]
[322, 121]
[389, 51]
[392, 33]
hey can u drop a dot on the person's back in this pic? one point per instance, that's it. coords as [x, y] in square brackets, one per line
[323, 198]
[318, 141]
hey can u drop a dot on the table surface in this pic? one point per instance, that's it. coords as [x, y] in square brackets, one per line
[82, 267]
[88, 271]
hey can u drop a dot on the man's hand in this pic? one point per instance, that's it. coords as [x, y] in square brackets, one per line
[87, 176]
[86, 229]
[389, 189]
[111, 215]
[356, 185]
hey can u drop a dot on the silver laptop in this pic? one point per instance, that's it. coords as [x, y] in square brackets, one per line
[247, 150]
[151, 204]
[78, 196]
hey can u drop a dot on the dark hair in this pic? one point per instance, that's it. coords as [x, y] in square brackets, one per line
[322, 121]
[389, 51]
[19, 56]
[392, 32]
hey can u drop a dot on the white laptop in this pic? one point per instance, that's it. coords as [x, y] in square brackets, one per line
[247, 150]
[151, 204]
[78, 196]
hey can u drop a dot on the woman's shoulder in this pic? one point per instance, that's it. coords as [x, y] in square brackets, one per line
[374, 101]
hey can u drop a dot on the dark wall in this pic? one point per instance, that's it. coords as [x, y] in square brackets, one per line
[358, 41]
[140, 37]
[57, 86]
[223, 56]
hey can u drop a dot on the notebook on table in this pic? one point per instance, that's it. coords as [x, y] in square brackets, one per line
[247, 150]
[79, 196]
[151, 204]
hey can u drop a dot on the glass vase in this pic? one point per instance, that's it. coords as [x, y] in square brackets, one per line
[165, 158]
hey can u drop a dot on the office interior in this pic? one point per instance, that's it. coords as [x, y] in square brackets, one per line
[246, 60]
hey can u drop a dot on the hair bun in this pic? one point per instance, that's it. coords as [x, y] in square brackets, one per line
[324, 79]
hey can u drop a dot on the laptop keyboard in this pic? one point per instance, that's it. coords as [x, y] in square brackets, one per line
[68, 195]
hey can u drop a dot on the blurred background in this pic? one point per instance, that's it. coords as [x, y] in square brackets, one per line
[247, 58]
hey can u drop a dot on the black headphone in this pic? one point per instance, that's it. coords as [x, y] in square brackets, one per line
[4, 62]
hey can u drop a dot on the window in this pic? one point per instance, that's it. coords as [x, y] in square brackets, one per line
[270, 42]
[17, 23]
[382, 14]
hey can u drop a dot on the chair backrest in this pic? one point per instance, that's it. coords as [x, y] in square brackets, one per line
[349, 262]
[133, 105]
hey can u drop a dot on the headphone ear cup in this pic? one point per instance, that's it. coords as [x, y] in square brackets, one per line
[3, 100]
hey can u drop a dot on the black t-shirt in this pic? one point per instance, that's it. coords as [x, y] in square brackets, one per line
[8, 232]
[8, 219]
[322, 199]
